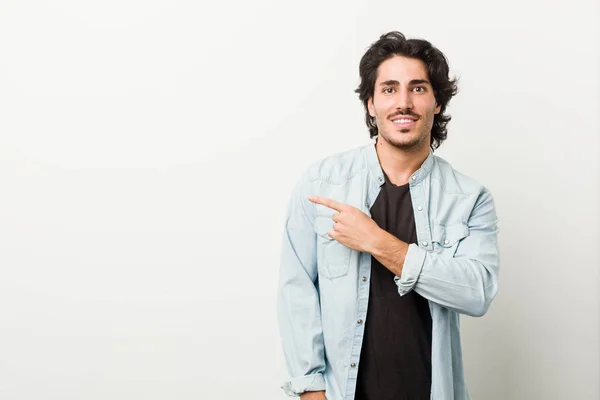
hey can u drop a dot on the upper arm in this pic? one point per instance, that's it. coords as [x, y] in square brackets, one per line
[482, 242]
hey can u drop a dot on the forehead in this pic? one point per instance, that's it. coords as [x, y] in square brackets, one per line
[401, 69]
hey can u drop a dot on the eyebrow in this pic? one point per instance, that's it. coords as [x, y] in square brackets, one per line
[392, 82]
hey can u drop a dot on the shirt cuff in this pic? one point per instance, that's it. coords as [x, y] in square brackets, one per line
[413, 264]
[301, 384]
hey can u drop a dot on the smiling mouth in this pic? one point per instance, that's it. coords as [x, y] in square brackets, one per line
[403, 120]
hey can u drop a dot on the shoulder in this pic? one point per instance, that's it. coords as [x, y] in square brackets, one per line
[339, 167]
[453, 181]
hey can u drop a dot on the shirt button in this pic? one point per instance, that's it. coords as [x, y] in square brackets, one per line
[420, 208]
[424, 244]
[414, 177]
[380, 179]
[364, 278]
[359, 321]
[353, 365]
[446, 241]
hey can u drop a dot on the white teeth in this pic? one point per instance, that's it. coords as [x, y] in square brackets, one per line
[403, 121]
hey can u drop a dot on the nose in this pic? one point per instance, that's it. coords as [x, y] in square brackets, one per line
[404, 101]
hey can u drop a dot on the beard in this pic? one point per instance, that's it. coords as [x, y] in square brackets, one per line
[416, 142]
[411, 139]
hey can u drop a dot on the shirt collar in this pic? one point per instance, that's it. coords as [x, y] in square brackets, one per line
[377, 172]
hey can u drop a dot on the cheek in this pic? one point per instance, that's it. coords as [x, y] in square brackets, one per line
[428, 109]
[383, 106]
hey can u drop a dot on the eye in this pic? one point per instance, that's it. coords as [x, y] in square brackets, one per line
[419, 89]
[388, 90]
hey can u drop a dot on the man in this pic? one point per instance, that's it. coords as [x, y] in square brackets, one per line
[385, 245]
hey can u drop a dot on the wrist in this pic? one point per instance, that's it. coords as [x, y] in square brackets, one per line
[389, 251]
[380, 240]
[313, 395]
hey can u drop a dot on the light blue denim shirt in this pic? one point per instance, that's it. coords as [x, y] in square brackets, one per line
[324, 286]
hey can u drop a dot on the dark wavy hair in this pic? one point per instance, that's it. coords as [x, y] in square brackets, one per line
[395, 44]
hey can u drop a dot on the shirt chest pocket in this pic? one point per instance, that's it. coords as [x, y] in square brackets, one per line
[445, 238]
[333, 258]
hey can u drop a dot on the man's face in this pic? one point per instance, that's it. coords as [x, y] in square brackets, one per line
[403, 103]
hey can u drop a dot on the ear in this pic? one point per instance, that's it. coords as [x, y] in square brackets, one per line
[371, 107]
[437, 109]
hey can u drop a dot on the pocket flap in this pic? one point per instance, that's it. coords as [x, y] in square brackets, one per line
[322, 226]
[448, 236]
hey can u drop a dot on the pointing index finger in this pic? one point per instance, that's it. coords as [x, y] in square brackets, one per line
[330, 203]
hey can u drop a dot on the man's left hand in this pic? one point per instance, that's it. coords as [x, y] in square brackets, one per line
[351, 227]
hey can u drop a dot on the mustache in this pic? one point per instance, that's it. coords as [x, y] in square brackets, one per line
[404, 114]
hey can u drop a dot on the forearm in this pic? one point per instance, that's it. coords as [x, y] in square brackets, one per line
[389, 251]
[320, 395]
[300, 326]
[462, 284]
[299, 318]
[463, 276]
[465, 285]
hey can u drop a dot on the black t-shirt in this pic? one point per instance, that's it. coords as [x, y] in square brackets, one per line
[395, 360]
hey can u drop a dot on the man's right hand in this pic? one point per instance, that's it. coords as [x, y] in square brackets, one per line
[313, 396]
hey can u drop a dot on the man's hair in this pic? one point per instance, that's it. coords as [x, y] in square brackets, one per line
[395, 44]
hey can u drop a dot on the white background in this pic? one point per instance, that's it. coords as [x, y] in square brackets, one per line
[147, 154]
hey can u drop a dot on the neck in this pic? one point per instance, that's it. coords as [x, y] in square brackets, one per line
[400, 164]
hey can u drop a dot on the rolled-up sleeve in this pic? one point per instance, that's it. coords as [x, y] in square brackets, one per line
[301, 384]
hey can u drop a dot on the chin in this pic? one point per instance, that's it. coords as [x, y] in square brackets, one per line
[404, 141]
